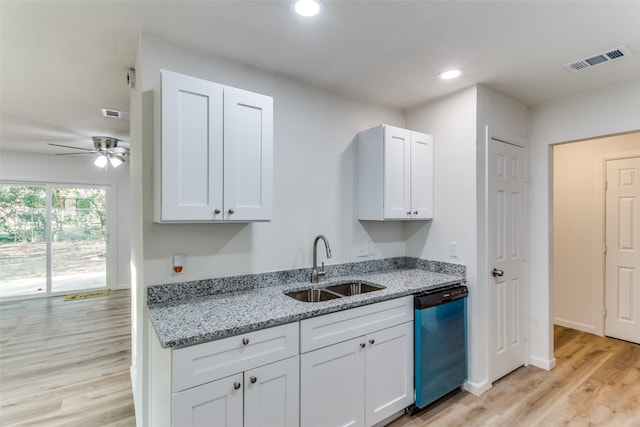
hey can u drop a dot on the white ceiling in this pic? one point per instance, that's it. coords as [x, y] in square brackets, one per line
[62, 61]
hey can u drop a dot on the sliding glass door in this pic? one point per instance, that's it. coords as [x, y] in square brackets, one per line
[53, 239]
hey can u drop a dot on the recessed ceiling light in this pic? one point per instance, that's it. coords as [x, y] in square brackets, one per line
[450, 74]
[307, 8]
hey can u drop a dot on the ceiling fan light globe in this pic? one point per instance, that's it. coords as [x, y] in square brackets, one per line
[115, 161]
[101, 161]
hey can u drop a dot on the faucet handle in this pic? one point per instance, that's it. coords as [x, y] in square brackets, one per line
[321, 271]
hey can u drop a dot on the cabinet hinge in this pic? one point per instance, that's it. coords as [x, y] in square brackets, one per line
[605, 184]
[524, 255]
[525, 177]
[604, 248]
[525, 334]
[604, 311]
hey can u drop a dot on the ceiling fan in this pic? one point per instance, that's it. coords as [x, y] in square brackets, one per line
[107, 148]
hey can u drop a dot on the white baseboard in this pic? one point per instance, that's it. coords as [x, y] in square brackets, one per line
[546, 364]
[576, 325]
[477, 388]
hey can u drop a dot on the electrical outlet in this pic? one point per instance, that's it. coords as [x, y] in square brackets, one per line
[453, 249]
[372, 248]
[363, 249]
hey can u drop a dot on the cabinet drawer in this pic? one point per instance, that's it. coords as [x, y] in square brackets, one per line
[332, 328]
[206, 362]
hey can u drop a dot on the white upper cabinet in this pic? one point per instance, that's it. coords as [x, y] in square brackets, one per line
[395, 174]
[213, 154]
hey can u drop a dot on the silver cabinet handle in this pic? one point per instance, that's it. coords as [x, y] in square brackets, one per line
[497, 273]
[362, 345]
[415, 213]
[216, 211]
[372, 342]
[245, 341]
[230, 211]
[253, 380]
[236, 386]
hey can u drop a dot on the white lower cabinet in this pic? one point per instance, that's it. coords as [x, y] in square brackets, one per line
[218, 403]
[361, 381]
[262, 397]
[349, 368]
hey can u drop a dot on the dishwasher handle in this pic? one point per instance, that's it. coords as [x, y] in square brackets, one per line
[439, 297]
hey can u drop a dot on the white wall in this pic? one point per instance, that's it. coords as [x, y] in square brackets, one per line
[578, 223]
[458, 124]
[314, 176]
[608, 111]
[30, 167]
[452, 122]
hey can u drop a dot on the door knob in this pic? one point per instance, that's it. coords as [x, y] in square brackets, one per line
[497, 273]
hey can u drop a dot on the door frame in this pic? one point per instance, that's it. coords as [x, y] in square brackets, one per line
[485, 265]
[600, 209]
[111, 243]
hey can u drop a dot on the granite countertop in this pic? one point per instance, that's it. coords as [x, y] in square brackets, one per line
[205, 318]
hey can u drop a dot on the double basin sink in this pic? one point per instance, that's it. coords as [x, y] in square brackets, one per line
[333, 291]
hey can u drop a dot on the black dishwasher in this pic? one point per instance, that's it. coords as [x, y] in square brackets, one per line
[440, 342]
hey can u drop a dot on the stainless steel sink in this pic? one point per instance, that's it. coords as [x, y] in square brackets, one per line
[312, 295]
[333, 291]
[353, 288]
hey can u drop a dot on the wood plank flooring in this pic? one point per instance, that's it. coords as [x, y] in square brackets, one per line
[596, 382]
[66, 363]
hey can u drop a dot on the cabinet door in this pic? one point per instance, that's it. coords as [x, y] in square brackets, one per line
[389, 372]
[397, 169]
[421, 176]
[190, 149]
[332, 385]
[215, 404]
[248, 155]
[272, 394]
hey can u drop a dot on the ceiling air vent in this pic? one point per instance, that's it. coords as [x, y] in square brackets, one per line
[115, 114]
[598, 59]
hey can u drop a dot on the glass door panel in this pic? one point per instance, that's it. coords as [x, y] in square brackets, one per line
[23, 243]
[78, 239]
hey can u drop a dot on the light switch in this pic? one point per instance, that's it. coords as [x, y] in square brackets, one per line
[453, 249]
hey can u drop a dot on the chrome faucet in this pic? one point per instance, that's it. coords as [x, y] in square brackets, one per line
[315, 272]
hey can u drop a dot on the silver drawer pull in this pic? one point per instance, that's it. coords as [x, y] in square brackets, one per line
[362, 345]
[236, 386]
[245, 341]
[372, 342]
[253, 380]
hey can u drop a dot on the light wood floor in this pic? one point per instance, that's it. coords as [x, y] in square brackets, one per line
[596, 382]
[67, 364]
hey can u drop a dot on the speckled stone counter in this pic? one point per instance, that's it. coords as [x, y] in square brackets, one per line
[204, 313]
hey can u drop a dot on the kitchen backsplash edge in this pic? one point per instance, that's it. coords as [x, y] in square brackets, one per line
[199, 288]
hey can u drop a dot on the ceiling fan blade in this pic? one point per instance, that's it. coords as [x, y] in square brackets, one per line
[75, 148]
[74, 154]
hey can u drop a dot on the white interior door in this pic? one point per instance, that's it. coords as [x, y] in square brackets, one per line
[622, 288]
[506, 235]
